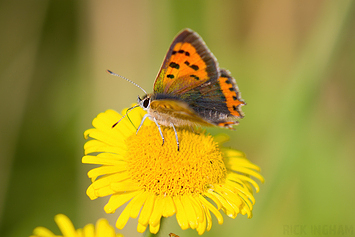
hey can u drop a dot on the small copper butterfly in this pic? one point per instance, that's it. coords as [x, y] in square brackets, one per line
[191, 89]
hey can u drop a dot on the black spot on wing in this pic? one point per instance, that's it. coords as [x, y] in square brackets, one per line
[171, 76]
[181, 51]
[194, 67]
[174, 65]
[194, 76]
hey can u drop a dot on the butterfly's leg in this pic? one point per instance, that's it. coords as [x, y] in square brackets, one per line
[140, 125]
[161, 133]
[176, 137]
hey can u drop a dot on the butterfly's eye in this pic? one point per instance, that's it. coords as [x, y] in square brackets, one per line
[146, 103]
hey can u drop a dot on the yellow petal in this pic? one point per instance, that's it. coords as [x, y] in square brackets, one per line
[154, 219]
[109, 180]
[190, 212]
[108, 169]
[90, 192]
[201, 227]
[232, 153]
[138, 201]
[221, 138]
[105, 121]
[124, 186]
[141, 228]
[247, 171]
[225, 205]
[231, 191]
[42, 232]
[234, 177]
[104, 229]
[180, 214]
[65, 225]
[109, 139]
[147, 210]
[247, 204]
[231, 195]
[210, 195]
[87, 132]
[154, 229]
[212, 209]
[117, 200]
[123, 218]
[104, 191]
[241, 162]
[92, 146]
[105, 159]
[89, 230]
[208, 216]
[169, 206]
[198, 209]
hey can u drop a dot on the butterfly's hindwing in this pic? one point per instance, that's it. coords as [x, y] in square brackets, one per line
[233, 100]
[169, 111]
[217, 101]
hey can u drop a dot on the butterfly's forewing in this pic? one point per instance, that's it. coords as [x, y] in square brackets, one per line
[187, 64]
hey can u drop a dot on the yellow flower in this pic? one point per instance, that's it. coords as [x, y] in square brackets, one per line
[102, 229]
[158, 181]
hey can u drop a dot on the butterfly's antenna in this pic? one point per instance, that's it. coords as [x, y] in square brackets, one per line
[112, 73]
[131, 121]
[125, 115]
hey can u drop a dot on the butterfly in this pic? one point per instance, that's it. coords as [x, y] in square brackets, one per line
[190, 89]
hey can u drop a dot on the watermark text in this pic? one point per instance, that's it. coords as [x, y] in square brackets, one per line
[319, 230]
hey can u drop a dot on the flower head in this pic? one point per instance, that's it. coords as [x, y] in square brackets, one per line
[102, 229]
[159, 181]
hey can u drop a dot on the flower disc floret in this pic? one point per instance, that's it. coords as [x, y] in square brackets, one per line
[165, 171]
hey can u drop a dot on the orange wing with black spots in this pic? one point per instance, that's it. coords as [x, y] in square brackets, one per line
[191, 89]
[231, 93]
[188, 64]
[232, 100]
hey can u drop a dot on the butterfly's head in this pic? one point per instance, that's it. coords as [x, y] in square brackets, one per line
[144, 102]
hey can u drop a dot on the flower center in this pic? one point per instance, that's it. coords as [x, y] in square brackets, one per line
[166, 171]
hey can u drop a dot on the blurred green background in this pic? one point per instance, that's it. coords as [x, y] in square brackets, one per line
[294, 62]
